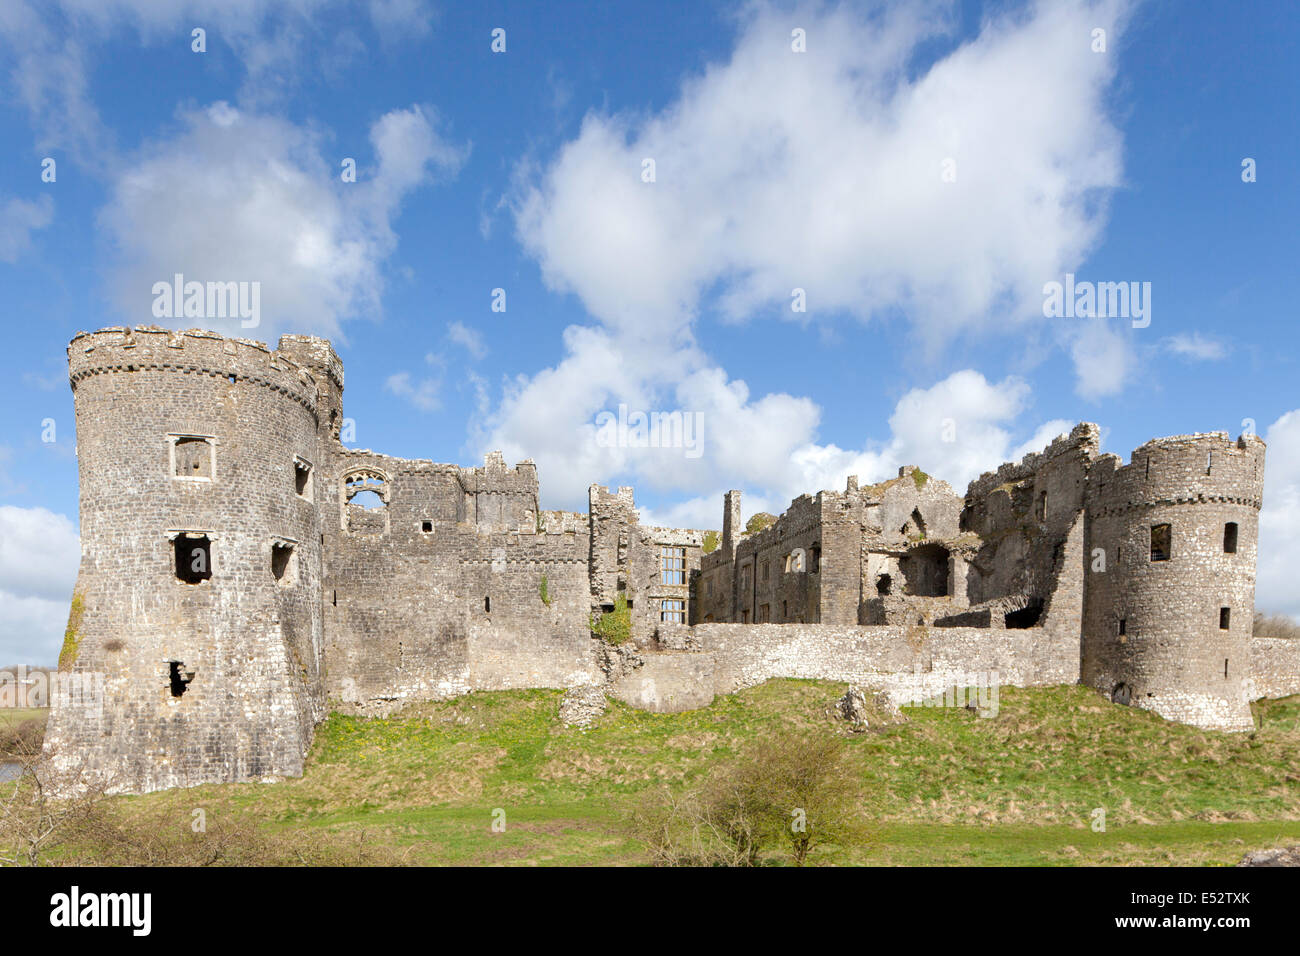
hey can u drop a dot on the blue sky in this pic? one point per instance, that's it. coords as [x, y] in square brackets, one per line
[920, 170]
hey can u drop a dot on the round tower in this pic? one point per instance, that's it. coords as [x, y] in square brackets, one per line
[197, 608]
[1169, 597]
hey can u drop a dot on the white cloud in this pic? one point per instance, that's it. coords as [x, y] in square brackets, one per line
[423, 394]
[1196, 347]
[234, 196]
[955, 430]
[1279, 521]
[53, 47]
[1043, 436]
[471, 340]
[39, 554]
[397, 20]
[821, 171]
[19, 218]
[1103, 359]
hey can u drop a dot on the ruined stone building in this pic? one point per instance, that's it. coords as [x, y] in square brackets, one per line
[243, 572]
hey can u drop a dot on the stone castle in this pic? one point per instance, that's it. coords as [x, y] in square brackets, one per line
[244, 572]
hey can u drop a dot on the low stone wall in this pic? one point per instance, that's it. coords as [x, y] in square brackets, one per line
[668, 682]
[909, 663]
[1275, 666]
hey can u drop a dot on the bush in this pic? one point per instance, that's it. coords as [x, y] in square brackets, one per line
[791, 793]
[710, 542]
[22, 738]
[614, 627]
[759, 522]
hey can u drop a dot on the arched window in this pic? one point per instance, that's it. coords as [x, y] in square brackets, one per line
[365, 502]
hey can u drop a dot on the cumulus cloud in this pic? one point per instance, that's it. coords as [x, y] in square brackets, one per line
[825, 171]
[954, 429]
[1279, 521]
[234, 196]
[19, 218]
[948, 194]
[53, 47]
[39, 554]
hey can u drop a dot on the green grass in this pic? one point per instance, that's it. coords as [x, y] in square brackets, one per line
[944, 787]
[13, 716]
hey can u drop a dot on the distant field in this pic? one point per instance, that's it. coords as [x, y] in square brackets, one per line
[943, 788]
[11, 716]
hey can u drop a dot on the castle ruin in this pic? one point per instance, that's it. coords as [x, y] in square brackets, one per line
[244, 572]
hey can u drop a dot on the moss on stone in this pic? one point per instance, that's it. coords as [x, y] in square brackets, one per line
[544, 590]
[759, 522]
[710, 542]
[72, 634]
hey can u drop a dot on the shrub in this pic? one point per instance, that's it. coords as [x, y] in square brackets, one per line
[22, 738]
[791, 793]
[710, 542]
[759, 522]
[614, 627]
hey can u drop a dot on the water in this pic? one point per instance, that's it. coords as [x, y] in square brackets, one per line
[10, 771]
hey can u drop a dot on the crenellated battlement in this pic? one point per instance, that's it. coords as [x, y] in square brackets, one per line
[1084, 438]
[1209, 467]
[333, 576]
[192, 351]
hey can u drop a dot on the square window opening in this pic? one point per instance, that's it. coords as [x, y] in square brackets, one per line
[1161, 542]
[192, 457]
[193, 558]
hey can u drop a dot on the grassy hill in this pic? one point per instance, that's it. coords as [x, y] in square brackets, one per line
[943, 787]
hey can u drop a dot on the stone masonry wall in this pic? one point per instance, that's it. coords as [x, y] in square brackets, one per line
[253, 644]
[452, 579]
[1275, 667]
[1174, 635]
